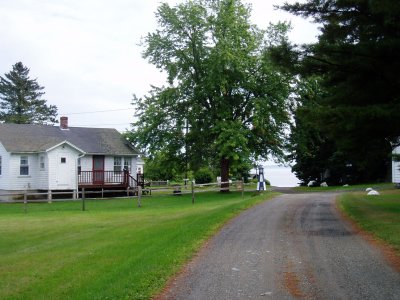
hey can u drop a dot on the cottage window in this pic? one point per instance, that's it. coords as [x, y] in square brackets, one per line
[41, 162]
[0, 165]
[24, 166]
[117, 164]
[63, 160]
[127, 163]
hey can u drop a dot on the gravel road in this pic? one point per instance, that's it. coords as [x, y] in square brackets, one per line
[293, 247]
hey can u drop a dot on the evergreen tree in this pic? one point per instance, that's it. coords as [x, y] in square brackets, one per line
[358, 57]
[314, 155]
[20, 99]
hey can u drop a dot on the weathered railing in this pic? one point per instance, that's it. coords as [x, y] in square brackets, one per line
[103, 178]
[132, 181]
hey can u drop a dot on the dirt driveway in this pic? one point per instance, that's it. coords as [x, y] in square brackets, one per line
[293, 247]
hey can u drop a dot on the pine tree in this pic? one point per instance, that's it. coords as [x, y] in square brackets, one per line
[357, 57]
[20, 99]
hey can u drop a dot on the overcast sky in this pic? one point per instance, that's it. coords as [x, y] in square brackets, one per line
[86, 53]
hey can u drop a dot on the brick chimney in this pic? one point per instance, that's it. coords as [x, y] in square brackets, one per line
[64, 123]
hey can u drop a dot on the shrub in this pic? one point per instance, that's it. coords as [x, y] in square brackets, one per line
[203, 175]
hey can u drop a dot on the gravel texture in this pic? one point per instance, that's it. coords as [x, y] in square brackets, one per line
[294, 247]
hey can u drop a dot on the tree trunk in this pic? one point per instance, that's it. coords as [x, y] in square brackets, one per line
[224, 175]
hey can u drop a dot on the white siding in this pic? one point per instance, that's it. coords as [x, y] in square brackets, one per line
[43, 174]
[5, 166]
[396, 167]
[87, 163]
[11, 180]
[109, 163]
[134, 166]
[19, 182]
[42, 179]
[62, 176]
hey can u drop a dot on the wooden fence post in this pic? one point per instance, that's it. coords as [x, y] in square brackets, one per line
[83, 199]
[49, 196]
[139, 196]
[242, 187]
[192, 192]
[25, 202]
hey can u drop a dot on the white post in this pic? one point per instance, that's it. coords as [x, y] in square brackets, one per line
[49, 196]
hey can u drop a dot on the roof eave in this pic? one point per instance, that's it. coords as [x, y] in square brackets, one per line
[69, 144]
[112, 154]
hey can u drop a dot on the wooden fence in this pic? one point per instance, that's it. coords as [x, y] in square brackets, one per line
[175, 190]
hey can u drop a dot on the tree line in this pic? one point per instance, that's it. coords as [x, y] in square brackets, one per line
[237, 93]
[346, 120]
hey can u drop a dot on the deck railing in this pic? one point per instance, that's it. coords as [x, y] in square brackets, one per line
[103, 178]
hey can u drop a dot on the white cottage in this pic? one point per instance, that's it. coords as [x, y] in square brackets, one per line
[396, 168]
[51, 158]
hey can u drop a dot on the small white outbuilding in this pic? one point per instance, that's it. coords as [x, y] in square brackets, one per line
[396, 168]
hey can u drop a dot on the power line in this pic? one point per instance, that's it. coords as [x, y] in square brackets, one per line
[96, 111]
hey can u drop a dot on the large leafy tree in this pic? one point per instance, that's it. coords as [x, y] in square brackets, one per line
[357, 57]
[161, 167]
[224, 102]
[20, 99]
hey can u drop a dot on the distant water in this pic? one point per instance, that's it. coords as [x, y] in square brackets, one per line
[280, 176]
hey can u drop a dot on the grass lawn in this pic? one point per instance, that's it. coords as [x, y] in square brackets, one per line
[379, 215]
[114, 250]
[377, 186]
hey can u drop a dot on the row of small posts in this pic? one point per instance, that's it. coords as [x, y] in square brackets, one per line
[261, 186]
[25, 199]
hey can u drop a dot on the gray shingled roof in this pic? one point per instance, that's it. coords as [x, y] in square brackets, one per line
[38, 138]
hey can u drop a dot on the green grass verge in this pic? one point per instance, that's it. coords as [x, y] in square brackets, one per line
[379, 215]
[114, 250]
[378, 186]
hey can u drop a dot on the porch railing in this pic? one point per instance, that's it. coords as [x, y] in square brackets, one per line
[138, 181]
[103, 178]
